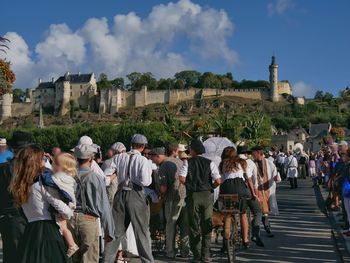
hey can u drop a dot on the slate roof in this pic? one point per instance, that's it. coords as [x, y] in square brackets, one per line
[319, 130]
[75, 78]
[46, 85]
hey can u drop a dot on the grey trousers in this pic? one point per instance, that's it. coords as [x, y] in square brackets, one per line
[131, 207]
[176, 214]
[257, 216]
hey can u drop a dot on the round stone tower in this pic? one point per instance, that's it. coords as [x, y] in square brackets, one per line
[273, 68]
[5, 106]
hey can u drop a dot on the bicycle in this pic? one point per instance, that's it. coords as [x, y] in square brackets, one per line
[231, 207]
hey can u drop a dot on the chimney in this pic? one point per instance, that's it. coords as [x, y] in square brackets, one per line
[39, 81]
[53, 79]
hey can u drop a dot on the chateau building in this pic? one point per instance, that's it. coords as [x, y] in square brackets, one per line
[70, 90]
[80, 91]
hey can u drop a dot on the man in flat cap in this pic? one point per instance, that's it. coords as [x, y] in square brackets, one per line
[267, 178]
[201, 176]
[134, 172]
[174, 193]
[92, 206]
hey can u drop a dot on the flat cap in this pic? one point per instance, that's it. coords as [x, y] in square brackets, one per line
[139, 139]
[158, 151]
[118, 147]
[257, 148]
[84, 151]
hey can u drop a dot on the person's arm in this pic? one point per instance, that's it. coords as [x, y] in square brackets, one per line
[183, 172]
[215, 175]
[145, 172]
[63, 209]
[102, 206]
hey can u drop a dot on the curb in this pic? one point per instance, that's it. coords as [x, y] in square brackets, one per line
[341, 244]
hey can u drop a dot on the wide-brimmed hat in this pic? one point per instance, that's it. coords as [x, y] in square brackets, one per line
[182, 147]
[21, 139]
[243, 149]
[3, 142]
[197, 146]
[257, 148]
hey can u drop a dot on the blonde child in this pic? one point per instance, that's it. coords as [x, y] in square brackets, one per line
[65, 169]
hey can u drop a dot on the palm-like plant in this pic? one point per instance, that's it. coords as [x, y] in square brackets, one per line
[4, 44]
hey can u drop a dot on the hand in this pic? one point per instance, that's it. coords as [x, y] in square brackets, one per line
[108, 239]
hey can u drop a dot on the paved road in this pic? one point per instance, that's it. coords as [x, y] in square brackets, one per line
[302, 232]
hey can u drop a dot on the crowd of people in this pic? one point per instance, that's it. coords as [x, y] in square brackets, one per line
[77, 207]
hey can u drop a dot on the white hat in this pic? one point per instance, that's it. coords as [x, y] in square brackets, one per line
[84, 151]
[85, 140]
[182, 147]
[343, 143]
[118, 147]
[3, 142]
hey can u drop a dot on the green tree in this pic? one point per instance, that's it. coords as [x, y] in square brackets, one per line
[146, 79]
[209, 80]
[179, 84]
[226, 83]
[133, 77]
[18, 95]
[189, 77]
[4, 44]
[165, 84]
[103, 82]
[327, 97]
[319, 95]
[118, 83]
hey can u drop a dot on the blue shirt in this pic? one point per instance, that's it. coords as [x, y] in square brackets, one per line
[6, 156]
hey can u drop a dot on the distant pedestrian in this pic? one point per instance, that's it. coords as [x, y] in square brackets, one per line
[291, 166]
[6, 154]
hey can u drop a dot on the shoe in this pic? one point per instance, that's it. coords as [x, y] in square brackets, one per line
[246, 245]
[257, 240]
[269, 233]
[71, 251]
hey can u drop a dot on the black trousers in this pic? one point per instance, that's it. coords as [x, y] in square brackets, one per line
[11, 228]
[293, 182]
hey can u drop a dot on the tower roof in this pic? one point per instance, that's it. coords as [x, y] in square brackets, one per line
[273, 61]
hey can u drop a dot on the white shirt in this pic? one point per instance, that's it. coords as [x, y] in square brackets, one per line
[252, 170]
[234, 174]
[97, 170]
[37, 206]
[140, 168]
[213, 168]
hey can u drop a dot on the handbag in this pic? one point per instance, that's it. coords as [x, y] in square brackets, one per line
[346, 188]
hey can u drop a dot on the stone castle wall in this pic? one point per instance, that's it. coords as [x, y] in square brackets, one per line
[22, 109]
[111, 100]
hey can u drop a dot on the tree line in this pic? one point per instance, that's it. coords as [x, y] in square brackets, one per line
[181, 80]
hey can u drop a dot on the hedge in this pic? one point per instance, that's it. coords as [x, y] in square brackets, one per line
[103, 135]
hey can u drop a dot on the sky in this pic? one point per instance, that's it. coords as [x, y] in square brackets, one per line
[310, 39]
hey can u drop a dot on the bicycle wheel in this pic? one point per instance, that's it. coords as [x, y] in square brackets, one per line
[231, 243]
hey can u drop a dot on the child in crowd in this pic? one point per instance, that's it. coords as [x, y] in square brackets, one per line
[65, 169]
[62, 185]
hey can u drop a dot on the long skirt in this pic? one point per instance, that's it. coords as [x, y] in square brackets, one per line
[43, 243]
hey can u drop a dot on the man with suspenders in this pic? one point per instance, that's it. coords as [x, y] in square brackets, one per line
[130, 205]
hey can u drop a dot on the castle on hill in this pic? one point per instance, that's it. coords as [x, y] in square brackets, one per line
[80, 91]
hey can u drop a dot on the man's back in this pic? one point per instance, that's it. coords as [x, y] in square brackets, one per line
[6, 204]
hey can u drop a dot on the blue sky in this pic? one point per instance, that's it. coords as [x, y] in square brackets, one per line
[309, 38]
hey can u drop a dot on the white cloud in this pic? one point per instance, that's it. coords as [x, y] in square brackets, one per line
[129, 43]
[301, 89]
[280, 7]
